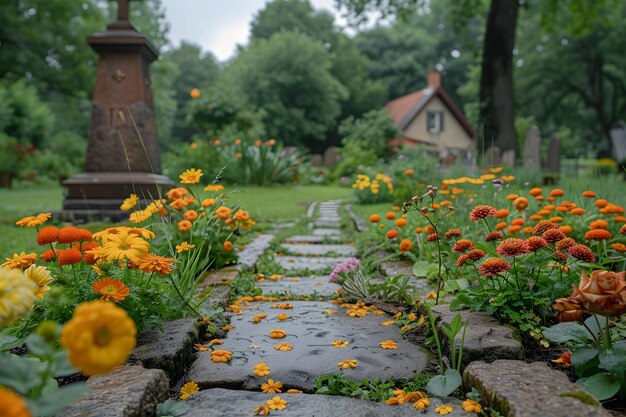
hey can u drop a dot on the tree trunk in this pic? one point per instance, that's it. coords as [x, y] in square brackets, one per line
[496, 118]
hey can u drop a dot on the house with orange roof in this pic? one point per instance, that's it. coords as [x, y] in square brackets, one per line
[430, 117]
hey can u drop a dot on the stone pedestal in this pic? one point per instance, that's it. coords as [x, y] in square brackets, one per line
[123, 150]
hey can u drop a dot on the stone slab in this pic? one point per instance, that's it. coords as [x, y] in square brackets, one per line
[395, 268]
[520, 389]
[219, 295]
[128, 391]
[219, 402]
[306, 263]
[169, 348]
[250, 255]
[219, 277]
[304, 286]
[328, 224]
[359, 223]
[309, 250]
[485, 339]
[311, 332]
[305, 239]
[326, 232]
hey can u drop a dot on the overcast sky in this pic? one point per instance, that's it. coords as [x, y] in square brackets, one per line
[219, 25]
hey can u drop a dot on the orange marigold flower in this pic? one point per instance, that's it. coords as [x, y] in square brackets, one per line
[565, 243]
[494, 236]
[178, 204]
[534, 243]
[48, 234]
[12, 404]
[501, 225]
[69, 256]
[392, 234]
[190, 215]
[535, 191]
[553, 235]
[388, 344]
[430, 230]
[463, 259]
[176, 193]
[47, 255]
[432, 237]
[405, 245]
[494, 266]
[512, 197]
[582, 252]
[111, 289]
[277, 334]
[452, 233]
[502, 213]
[544, 225]
[619, 219]
[463, 245]
[222, 213]
[418, 230]
[283, 347]
[481, 211]
[400, 222]
[600, 203]
[535, 217]
[194, 93]
[512, 247]
[514, 228]
[557, 192]
[520, 203]
[589, 194]
[528, 230]
[557, 219]
[184, 226]
[619, 247]
[577, 211]
[471, 406]
[390, 215]
[599, 224]
[223, 356]
[476, 254]
[155, 263]
[69, 234]
[374, 218]
[598, 234]
[409, 172]
[209, 202]
[228, 246]
[272, 387]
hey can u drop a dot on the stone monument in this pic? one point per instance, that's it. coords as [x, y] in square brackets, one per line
[123, 150]
[532, 148]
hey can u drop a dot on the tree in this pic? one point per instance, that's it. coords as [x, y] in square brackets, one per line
[289, 77]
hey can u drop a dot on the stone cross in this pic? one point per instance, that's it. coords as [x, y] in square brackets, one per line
[122, 9]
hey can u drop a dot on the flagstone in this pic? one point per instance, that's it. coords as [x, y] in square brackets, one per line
[219, 402]
[326, 232]
[311, 331]
[302, 287]
[327, 223]
[305, 239]
[307, 263]
[307, 250]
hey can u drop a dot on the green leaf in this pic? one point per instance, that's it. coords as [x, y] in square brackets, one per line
[61, 365]
[614, 360]
[567, 332]
[8, 342]
[18, 373]
[420, 268]
[39, 346]
[49, 404]
[592, 323]
[171, 408]
[601, 386]
[444, 385]
[585, 361]
[457, 284]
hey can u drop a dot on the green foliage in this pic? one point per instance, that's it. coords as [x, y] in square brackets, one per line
[202, 154]
[337, 384]
[171, 408]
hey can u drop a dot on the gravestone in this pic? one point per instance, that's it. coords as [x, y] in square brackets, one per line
[122, 151]
[553, 164]
[532, 148]
[492, 156]
[331, 157]
[317, 160]
[508, 158]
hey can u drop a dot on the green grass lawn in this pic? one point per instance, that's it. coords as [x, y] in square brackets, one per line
[266, 204]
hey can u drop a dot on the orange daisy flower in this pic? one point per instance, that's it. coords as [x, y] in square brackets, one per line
[155, 263]
[111, 289]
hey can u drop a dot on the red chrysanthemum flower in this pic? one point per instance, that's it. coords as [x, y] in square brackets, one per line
[565, 243]
[69, 234]
[476, 254]
[452, 233]
[463, 245]
[69, 256]
[512, 247]
[534, 243]
[463, 259]
[582, 252]
[48, 234]
[85, 235]
[89, 258]
[89, 246]
[482, 211]
[48, 255]
[553, 235]
[432, 237]
[494, 266]
[494, 236]
[559, 256]
[598, 234]
[544, 225]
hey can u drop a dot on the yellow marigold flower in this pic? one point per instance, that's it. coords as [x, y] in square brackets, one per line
[348, 363]
[340, 343]
[228, 327]
[405, 329]
[222, 213]
[422, 403]
[155, 263]
[129, 202]
[12, 404]
[216, 342]
[421, 321]
[209, 202]
[271, 386]
[397, 315]
[194, 93]
[33, 221]
[124, 245]
[284, 347]
[471, 406]
[21, 261]
[257, 319]
[294, 391]
[191, 176]
[412, 316]
[140, 216]
[99, 337]
[262, 410]
[285, 306]
[443, 410]
[224, 356]
[357, 312]
[188, 389]
[17, 293]
[389, 344]
[184, 247]
[431, 295]
[277, 403]
[261, 369]
[201, 347]
[41, 277]
[282, 317]
[277, 334]
[495, 170]
[214, 187]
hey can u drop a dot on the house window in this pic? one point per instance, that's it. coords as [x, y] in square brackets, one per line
[435, 121]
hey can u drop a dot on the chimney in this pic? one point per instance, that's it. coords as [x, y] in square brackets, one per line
[434, 78]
